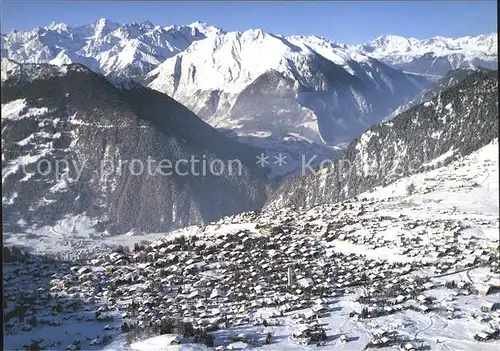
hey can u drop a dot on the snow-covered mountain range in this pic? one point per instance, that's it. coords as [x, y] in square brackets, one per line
[137, 48]
[436, 55]
[303, 85]
[456, 122]
[254, 81]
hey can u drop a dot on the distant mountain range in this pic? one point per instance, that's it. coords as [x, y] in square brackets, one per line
[110, 91]
[106, 47]
[253, 81]
[434, 56]
[329, 97]
[137, 48]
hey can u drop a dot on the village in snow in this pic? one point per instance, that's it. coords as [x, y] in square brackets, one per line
[412, 266]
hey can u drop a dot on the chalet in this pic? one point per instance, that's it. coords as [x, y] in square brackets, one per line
[310, 315]
[321, 309]
[305, 282]
[409, 346]
[483, 289]
[435, 254]
[494, 282]
[423, 299]
[485, 258]
[380, 333]
[115, 256]
[303, 332]
[176, 340]
[400, 298]
[385, 340]
[84, 270]
[488, 306]
[471, 261]
[479, 252]
[483, 336]
[428, 285]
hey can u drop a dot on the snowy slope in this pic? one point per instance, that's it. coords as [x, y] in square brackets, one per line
[442, 188]
[124, 51]
[436, 55]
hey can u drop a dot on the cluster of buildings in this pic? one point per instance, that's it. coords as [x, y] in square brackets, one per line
[292, 261]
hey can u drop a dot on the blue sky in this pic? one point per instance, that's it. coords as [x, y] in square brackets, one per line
[347, 22]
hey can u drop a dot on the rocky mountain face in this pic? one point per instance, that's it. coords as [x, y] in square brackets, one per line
[434, 56]
[73, 144]
[458, 121]
[116, 50]
[302, 85]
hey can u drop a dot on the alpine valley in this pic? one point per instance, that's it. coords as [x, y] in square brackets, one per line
[353, 206]
[307, 98]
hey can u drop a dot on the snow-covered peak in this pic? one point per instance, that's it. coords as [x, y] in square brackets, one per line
[232, 60]
[339, 54]
[58, 27]
[205, 28]
[114, 49]
[103, 26]
[196, 29]
[392, 44]
[147, 24]
[137, 48]
[437, 55]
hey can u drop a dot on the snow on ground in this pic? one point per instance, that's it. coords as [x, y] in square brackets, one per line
[382, 253]
[465, 191]
[74, 233]
[162, 343]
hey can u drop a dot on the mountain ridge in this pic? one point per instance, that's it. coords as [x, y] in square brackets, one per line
[328, 96]
[116, 50]
[147, 45]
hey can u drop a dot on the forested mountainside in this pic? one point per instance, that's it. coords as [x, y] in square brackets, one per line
[458, 121]
[53, 114]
